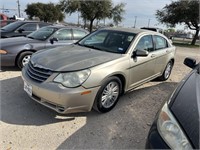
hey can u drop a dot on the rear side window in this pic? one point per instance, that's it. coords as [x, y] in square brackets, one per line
[160, 42]
[29, 27]
[78, 34]
[63, 34]
[42, 25]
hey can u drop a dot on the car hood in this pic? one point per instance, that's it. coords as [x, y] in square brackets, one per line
[4, 31]
[186, 106]
[16, 41]
[71, 58]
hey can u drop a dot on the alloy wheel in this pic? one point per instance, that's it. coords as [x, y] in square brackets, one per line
[110, 94]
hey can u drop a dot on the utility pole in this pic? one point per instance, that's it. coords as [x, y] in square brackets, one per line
[149, 22]
[78, 19]
[18, 5]
[135, 21]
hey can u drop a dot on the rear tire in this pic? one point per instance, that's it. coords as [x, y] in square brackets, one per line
[23, 59]
[108, 95]
[167, 71]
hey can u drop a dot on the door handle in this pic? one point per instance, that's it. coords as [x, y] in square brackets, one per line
[153, 55]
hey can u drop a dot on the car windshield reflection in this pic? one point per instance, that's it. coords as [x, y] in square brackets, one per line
[43, 33]
[12, 26]
[110, 41]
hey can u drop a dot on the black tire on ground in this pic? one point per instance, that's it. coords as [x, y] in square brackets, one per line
[23, 59]
[166, 72]
[108, 95]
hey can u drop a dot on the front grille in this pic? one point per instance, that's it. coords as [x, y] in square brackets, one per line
[38, 74]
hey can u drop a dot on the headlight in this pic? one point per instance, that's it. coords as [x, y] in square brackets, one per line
[170, 130]
[3, 51]
[73, 79]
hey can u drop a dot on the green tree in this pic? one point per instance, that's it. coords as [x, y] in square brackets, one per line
[181, 12]
[91, 10]
[117, 13]
[46, 12]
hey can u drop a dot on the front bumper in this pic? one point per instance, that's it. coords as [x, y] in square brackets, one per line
[8, 59]
[61, 99]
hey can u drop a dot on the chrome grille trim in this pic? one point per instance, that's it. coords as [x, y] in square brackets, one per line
[38, 74]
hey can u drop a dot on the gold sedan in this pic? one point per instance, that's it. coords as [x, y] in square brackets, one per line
[95, 71]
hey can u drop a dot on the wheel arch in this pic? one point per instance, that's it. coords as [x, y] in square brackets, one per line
[97, 104]
[123, 81]
[173, 60]
[121, 78]
[17, 57]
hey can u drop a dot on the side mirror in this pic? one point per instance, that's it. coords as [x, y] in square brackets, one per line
[52, 40]
[190, 62]
[20, 30]
[140, 53]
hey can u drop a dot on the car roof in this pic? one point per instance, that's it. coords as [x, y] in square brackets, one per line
[30, 21]
[131, 30]
[69, 27]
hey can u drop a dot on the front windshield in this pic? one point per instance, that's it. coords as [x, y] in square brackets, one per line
[42, 33]
[109, 40]
[12, 26]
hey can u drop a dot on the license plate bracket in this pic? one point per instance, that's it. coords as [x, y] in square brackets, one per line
[28, 88]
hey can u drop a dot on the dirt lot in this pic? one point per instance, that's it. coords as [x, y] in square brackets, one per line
[24, 124]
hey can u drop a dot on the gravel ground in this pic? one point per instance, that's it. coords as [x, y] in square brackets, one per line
[24, 124]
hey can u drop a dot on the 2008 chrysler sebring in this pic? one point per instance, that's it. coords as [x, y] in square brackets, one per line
[95, 71]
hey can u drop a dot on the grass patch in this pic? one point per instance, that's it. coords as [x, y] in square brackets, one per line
[182, 42]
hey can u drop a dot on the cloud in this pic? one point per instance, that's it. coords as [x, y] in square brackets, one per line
[143, 9]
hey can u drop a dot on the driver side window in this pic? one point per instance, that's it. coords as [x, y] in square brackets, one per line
[145, 43]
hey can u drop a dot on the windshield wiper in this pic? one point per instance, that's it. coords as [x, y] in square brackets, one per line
[30, 37]
[90, 46]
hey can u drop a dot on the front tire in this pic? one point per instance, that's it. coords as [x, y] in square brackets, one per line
[23, 59]
[108, 95]
[167, 71]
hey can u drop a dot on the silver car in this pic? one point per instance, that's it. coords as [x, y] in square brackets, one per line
[17, 51]
[95, 71]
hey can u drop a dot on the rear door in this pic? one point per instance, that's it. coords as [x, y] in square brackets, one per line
[162, 52]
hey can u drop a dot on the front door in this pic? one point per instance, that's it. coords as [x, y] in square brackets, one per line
[142, 68]
[64, 37]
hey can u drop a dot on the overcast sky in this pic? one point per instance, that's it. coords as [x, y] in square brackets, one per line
[143, 10]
